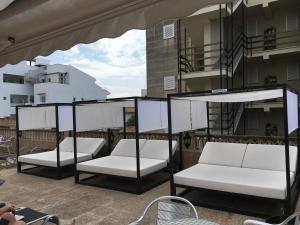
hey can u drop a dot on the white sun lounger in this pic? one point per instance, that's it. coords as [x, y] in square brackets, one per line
[154, 155]
[254, 169]
[87, 148]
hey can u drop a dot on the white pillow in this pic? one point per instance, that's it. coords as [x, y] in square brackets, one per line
[224, 154]
[127, 147]
[84, 145]
[269, 157]
[157, 149]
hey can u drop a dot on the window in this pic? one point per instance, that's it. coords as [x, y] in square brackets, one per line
[43, 98]
[14, 79]
[49, 79]
[31, 99]
[292, 21]
[169, 83]
[292, 71]
[168, 31]
[252, 75]
[18, 100]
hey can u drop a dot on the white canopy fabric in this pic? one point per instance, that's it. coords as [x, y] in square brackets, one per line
[190, 112]
[32, 118]
[292, 109]
[239, 97]
[188, 115]
[152, 115]
[30, 28]
[99, 116]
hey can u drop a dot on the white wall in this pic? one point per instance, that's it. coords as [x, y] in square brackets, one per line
[80, 86]
[7, 89]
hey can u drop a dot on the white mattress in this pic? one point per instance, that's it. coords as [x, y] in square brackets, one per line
[256, 182]
[121, 166]
[50, 158]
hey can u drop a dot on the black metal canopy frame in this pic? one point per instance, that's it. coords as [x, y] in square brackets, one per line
[241, 203]
[137, 185]
[58, 172]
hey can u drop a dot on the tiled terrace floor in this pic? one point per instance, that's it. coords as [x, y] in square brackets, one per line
[88, 205]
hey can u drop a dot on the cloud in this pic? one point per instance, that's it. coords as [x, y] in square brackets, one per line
[122, 58]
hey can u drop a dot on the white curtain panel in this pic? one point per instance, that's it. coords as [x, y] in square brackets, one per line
[98, 116]
[152, 115]
[50, 118]
[292, 104]
[198, 115]
[65, 115]
[240, 97]
[164, 115]
[31, 118]
[181, 115]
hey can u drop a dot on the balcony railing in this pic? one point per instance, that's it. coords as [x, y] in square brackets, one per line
[273, 41]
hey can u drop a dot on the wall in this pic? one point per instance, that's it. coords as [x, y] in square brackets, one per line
[6, 89]
[161, 59]
[80, 86]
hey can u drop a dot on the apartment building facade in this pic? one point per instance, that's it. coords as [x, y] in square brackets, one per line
[235, 45]
[39, 82]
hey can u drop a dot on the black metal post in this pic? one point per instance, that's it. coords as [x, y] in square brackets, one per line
[298, 137]
[58, 174]
[76, 174]
[18, 140]
[137, 146]
[172, 184]
[109, 140]
[124, 123]
[179, 55]
[220, 30]
[208, 125]
[288, 201]
[243, 59]
[221, 78]
[180, 152]
[231, 50]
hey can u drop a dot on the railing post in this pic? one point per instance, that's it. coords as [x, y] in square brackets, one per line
[179, 55]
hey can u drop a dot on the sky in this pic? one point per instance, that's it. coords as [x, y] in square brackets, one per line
[119, 64]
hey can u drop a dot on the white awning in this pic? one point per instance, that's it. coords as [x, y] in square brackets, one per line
[30, 28]
[5, 3]
[249, 96]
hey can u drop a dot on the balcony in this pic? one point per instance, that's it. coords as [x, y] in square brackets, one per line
[273, 43]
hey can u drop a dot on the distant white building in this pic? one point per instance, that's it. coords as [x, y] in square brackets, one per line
[44, 83]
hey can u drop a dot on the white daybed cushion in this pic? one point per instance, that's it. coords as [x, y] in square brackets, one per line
[121, 166]
[126, 147]
[262, 183]
[269, 157]
[50, 158]
[84, 145]
[157, 149]
[224, 154]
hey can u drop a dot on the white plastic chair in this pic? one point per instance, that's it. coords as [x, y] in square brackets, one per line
[285, 222]
[169, 211]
